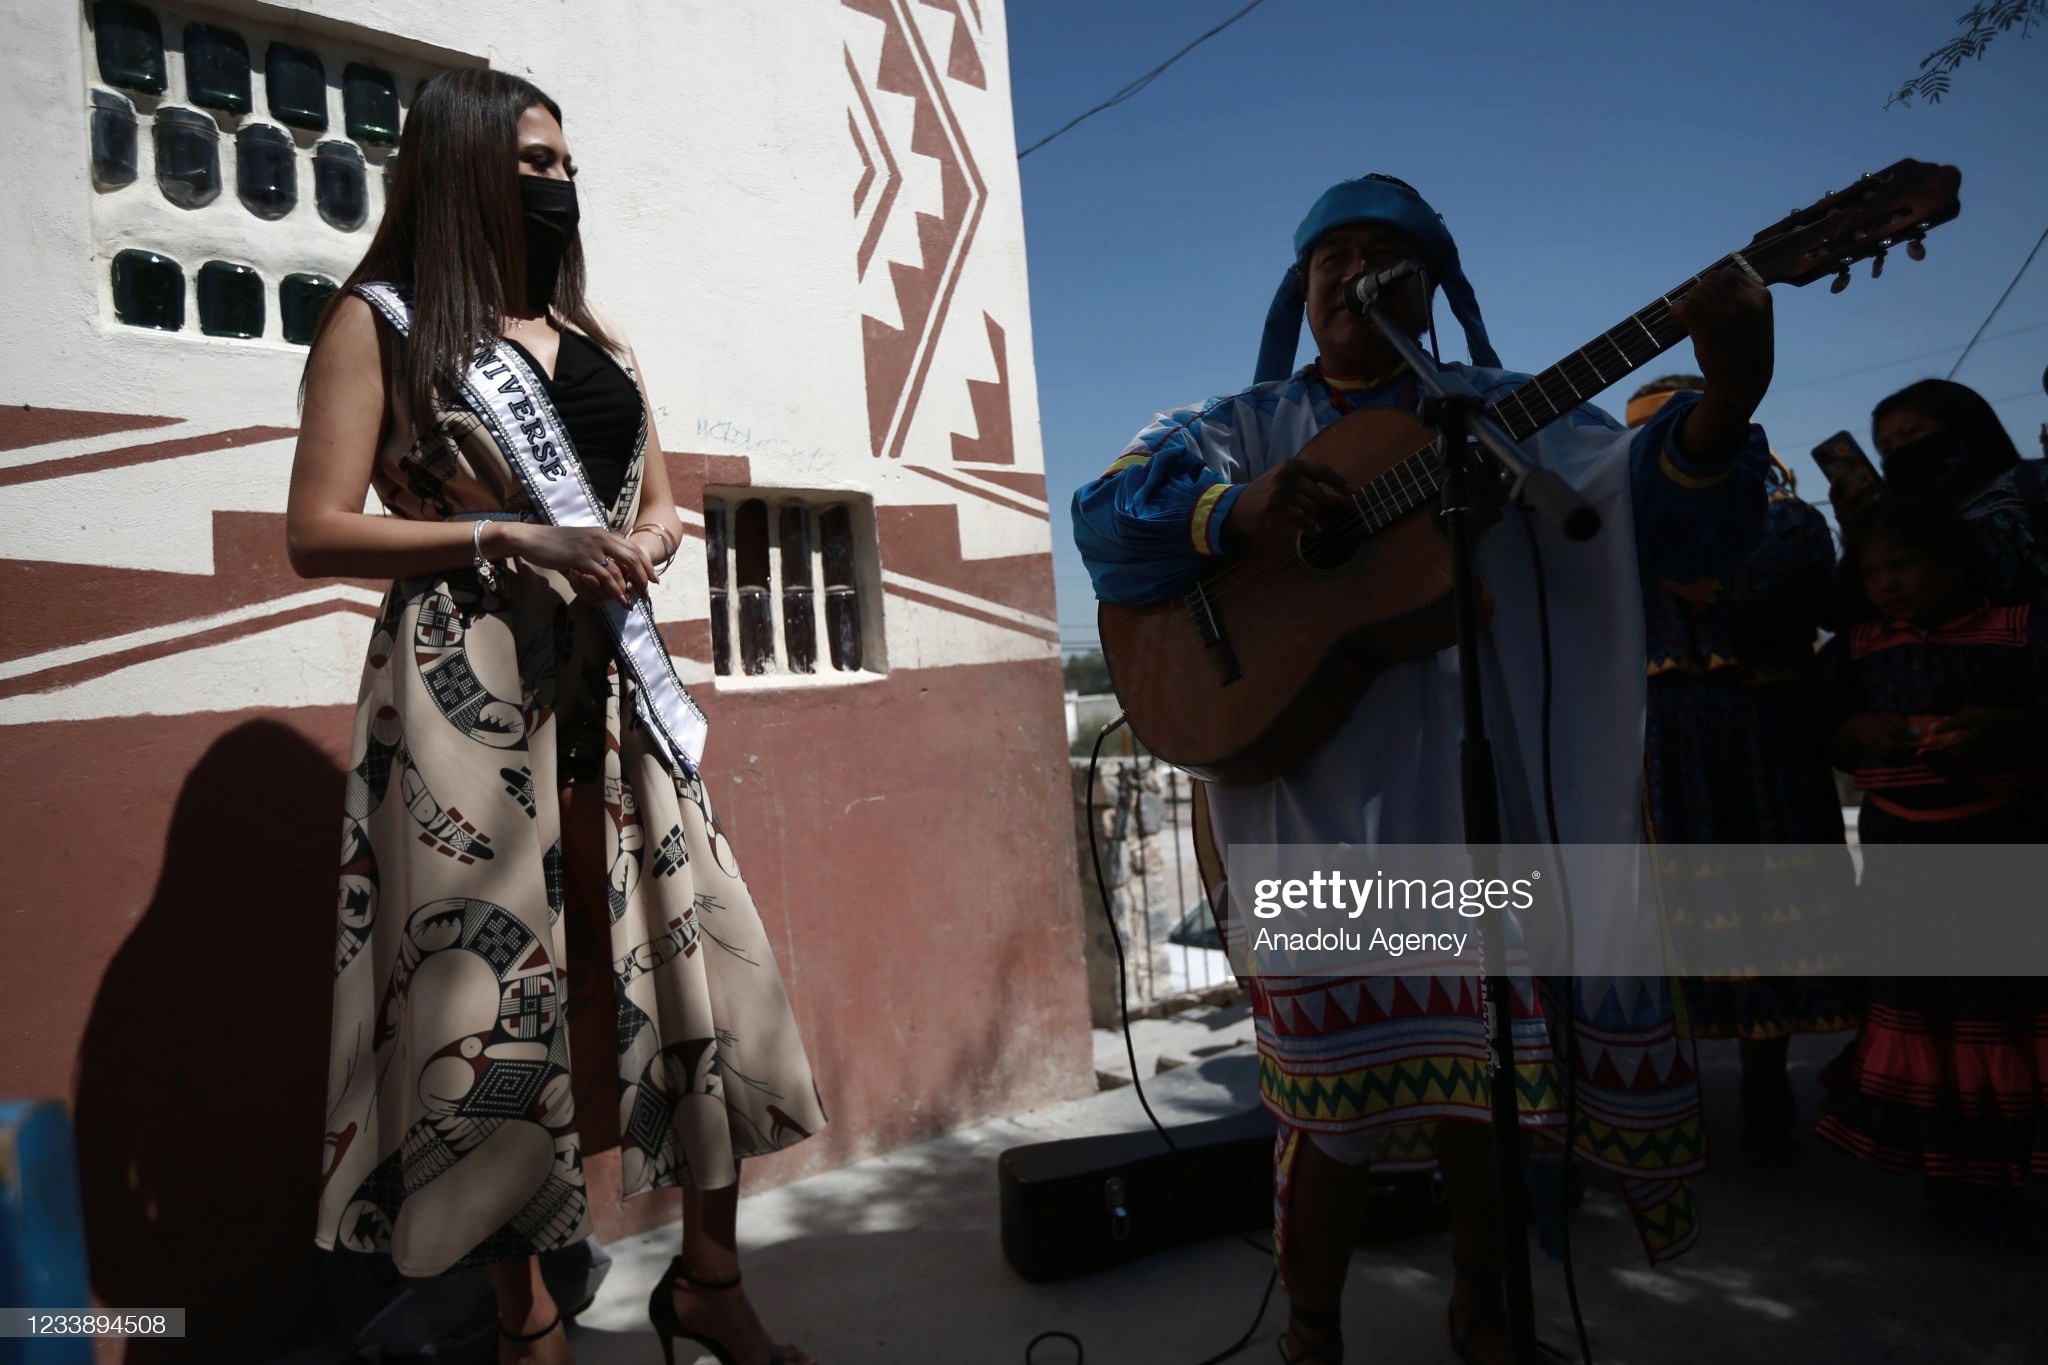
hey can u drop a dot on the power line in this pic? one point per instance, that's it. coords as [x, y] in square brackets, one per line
[1139, 84]
[1902, 360]
[2000, 304]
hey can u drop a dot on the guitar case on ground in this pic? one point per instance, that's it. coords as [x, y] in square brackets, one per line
[1085, 1204]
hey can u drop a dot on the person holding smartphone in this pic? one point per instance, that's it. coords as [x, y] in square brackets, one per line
[1942, 445]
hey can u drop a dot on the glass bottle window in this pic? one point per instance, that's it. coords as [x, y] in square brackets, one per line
[750, 564]
[149, 291]
[339, 187]
[297, 83]
[369, 98]
[187, 157]
[130, 45]
[768, 560]
[230, 300]
[301, 299]
[113, 140]
[799, 617]
[216, 68]
[714, 565]
[266, 170]
[842, 592]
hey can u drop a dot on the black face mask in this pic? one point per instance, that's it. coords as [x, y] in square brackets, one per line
[548, 208]
[1926, 468]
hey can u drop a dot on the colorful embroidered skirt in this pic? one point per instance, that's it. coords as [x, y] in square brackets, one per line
[1393, 1057]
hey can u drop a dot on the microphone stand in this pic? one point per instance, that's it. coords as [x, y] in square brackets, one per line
[1478, 455]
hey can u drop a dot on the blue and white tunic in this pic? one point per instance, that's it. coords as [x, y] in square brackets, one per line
[1154, 519]
[1340, 1059]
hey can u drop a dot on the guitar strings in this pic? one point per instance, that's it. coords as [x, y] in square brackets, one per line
[1360, 513]
[1575, 369]
[1365, 506]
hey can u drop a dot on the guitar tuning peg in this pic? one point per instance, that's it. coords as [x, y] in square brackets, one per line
[1841, 281]
[1917, 249]
[1877, 263]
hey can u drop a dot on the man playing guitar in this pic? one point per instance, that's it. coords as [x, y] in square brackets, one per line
[1394, 1072]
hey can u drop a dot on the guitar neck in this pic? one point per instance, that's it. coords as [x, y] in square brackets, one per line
[1619, 351]
[1613, 355]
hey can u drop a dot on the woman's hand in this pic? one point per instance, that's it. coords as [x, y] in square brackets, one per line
[1983, 728]
[1878, 735]
[660, 553]
[600, 566]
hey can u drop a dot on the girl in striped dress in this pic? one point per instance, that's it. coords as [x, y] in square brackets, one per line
[1938, 701]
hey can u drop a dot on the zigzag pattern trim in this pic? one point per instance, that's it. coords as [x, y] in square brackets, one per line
[1675, 1149]
[1667, 1216]
[1400, 1085]
[1670, 1149]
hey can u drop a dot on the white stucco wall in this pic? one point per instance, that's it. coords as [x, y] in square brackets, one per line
[717, 182]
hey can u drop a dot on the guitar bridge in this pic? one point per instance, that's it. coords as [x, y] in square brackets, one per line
[1215, 638]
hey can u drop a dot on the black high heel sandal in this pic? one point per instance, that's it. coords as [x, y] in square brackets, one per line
[524, 1337]
[1326, 1322]
[661, 1311]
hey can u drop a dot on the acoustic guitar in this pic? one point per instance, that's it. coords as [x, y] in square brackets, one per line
[1246, 672]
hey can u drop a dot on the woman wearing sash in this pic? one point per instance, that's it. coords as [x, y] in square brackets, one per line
[528, 854]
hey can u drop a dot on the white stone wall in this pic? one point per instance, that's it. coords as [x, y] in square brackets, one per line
[718, 181]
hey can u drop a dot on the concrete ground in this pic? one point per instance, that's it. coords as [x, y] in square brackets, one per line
[897, 1259]
[1197, 1035]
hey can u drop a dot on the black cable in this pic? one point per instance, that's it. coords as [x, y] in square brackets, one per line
[1571, 1030]
[1996, 306]
[1246, 1339]
[1123, 977]
[1079, 1354]
[1123, 1000]
[1139, 84]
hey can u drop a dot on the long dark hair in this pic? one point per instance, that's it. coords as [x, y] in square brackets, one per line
[453, 228]
[1962, 412]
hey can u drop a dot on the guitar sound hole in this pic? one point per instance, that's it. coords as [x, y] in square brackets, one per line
[1330, 550]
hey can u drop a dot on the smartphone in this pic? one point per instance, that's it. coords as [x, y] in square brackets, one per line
[1851, 478]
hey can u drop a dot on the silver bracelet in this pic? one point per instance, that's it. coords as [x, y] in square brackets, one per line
[487, 575]
[668, 547]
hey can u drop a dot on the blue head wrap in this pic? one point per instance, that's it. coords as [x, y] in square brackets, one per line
[1371, 201]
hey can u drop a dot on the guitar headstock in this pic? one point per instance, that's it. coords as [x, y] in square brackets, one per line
[1900, 203]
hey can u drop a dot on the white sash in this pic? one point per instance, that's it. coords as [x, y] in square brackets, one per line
[501, 390]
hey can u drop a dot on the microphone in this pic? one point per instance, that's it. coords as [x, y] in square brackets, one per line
[1363, 290]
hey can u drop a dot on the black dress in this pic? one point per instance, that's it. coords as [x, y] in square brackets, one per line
[599, 405]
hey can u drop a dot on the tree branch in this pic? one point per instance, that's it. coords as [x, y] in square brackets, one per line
[1980, 24]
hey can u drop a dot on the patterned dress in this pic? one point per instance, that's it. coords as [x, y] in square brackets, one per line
[1950, 1074]
[452, 1134]
[2011, 539]
[1386, 1059]
[1728, 757]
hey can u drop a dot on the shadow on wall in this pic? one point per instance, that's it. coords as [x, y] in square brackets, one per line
[203, 1071]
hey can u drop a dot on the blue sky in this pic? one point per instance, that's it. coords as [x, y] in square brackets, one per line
[1587, 157]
